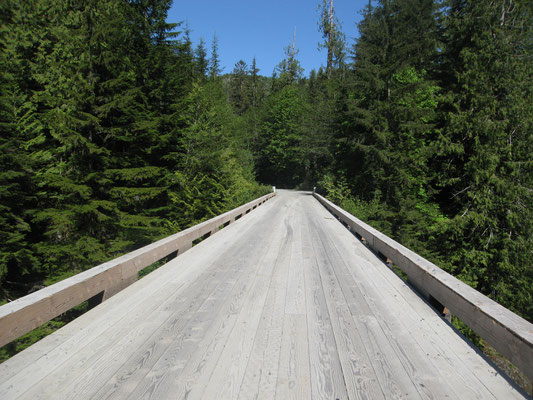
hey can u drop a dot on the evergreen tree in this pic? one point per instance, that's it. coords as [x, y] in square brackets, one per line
[256, 95]
[18, 124]
[95, 107]
[280, 163]
[76, 222]
[215, 170]
[201, 60]
[391, 115]
[325, 107]
[334, 40]
[239, 88]
[288, 71]
[485, 159]
[214, 62]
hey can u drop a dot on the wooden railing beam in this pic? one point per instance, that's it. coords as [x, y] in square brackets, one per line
[105, 280]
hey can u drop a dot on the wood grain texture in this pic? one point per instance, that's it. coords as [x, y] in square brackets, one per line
[380, 360]
[284, 303]
[294, 379]
[327, 380]
[507, 332]
[428, 379]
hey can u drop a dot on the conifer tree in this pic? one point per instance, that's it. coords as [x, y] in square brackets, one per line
[334, 41]
[201, 60]
[214, 61]
[289, 70]
[75, 220]
[239, 87]
[280, 163]
[95, 102]
[18, 124]
[485, 158]
[255, 92]
[392, 111]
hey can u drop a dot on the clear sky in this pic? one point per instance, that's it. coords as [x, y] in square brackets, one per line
[263, 28]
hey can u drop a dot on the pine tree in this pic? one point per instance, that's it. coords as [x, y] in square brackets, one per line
[239, 87]
[326, 99]
[201, 61]
[75, 221]
[215, 170]
[256, 95]
[334, 40]
[18, 124]
[486, 146]
[288, 71]
[391, 115]
[214, 61]
[281, 163]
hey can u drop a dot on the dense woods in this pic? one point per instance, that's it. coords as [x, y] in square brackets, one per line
[116, 130]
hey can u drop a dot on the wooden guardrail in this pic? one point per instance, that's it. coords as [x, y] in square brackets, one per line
[507, 332]
[104, 280]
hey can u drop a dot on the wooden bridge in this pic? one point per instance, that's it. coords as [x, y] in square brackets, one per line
[284, 303]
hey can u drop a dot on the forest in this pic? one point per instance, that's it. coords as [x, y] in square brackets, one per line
[117, 130]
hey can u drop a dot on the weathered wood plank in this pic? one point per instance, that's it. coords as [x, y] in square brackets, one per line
[228, 371]
[227, 378]
[418, 317]
[102, 362]
[162, 365]
[327, 380]
[359, 375]
[294, 380]
[507, 332]
[380, 359]
[166, 281]
[190, 380]
[295, 303]
[405, 338]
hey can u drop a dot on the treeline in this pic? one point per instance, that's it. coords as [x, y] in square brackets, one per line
[114, 132]
[423, 127]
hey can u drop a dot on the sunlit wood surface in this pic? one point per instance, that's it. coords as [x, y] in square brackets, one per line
[283, 304]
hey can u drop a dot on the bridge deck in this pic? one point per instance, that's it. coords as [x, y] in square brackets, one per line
[285, 303]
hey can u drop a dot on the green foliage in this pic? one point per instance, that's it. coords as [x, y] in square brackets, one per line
[108, 127]
[288, 71]
[281, 135]
[488, 141]
[373, 212]
[216, 173]
[434, 143]
[465, 330]
[214, 61]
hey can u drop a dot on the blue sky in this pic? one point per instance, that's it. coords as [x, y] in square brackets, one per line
[248, 28]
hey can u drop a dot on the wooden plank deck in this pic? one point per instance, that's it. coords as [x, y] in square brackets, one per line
[283, 304]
